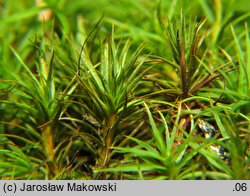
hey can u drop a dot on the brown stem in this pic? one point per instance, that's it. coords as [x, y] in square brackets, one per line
[48, 142]
[183, 74]
[106, 151]
[182, 62]
[108, 141]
